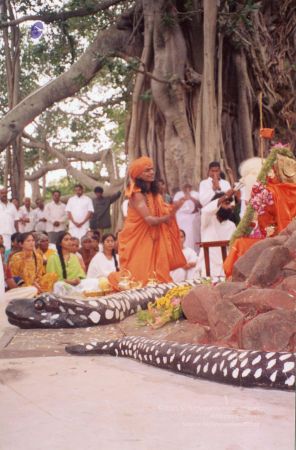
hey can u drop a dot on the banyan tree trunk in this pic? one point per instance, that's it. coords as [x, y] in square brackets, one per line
[202, 69]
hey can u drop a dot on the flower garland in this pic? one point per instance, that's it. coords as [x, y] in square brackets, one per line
[164, 309]
[245, 226]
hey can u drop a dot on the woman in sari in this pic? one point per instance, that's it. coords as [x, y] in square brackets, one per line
[27, 265]
[65, 264]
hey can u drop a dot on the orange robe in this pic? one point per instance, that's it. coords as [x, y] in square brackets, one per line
[280, 214]
[145, 249]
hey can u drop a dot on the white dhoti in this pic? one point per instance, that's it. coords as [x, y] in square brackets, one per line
[78, 232]
[20, 293]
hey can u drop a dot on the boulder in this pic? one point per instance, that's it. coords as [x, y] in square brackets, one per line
[272, 331]
[244, 265]
[197, 302]
[254, 301]
[289, 285]
[290, 244]
[267, 269]
[230, 288]
[225, 321]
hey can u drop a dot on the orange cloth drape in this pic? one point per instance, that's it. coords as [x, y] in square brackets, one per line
[239, 248]
[145, 249]
[279, 214]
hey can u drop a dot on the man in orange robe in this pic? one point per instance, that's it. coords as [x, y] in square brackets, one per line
[149, 244]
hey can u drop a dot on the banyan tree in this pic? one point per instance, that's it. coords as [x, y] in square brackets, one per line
[207, 75]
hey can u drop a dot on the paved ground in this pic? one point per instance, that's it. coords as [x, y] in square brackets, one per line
[64, 402]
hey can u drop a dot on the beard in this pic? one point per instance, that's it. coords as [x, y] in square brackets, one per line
[225, 214]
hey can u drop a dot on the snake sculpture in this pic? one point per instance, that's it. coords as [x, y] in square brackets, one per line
[249, 368]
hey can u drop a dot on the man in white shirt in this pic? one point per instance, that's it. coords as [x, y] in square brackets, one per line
[216, 225]
[213, 184]
[56, 217]
[79, 209]
[8, 218]
[188, 215]
[40, 218]
[26, 217]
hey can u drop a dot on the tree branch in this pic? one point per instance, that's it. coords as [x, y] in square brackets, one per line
[43, 171]
[64, 15]
[108, 43]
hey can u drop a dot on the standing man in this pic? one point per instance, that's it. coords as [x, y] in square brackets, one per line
[8, 218]
[213, 184]
[188, 215]
[40, 218]
[56, 217]
[79, 209]
[26, 216]
[101, 218]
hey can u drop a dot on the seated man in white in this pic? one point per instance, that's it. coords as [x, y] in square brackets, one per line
[217, 224]
[213, 184]
[189, 271]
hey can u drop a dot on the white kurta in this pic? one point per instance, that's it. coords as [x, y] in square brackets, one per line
[101, 266]
[40, 214]
[24, 213]
[55, 212]
[8, 215]
[180, 274]
[79, 207]
[213, 230]
[206, 192]
[188, 220]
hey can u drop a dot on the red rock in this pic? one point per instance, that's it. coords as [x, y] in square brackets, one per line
[290, 244]
[271, 331]
[197, 302]
[253, 301]
[268, 267]
[245, 264]
[230, 288]
[289, 285]
[225, 321]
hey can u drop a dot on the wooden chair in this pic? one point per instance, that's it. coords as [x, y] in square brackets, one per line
[206, 246]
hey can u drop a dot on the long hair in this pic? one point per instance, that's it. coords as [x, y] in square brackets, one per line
[154, 189]
[105, 236]
[21, 239]
[60, 252]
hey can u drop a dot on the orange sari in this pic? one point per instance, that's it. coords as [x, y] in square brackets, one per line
[145, 249]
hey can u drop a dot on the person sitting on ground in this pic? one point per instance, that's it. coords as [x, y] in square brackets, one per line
[163, 191]
[96, 241]
[65, 263]
[42, 245]
[75, 250]
[14, 286]
[105, 262]
[28, 265]
[86, 250]
[15, 246]
[189, 271]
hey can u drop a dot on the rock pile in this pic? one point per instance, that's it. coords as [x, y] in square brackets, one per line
[257, 309]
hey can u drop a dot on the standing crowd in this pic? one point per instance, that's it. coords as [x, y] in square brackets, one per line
[161, 236]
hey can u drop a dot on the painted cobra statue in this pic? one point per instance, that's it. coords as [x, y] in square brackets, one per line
[239, 367]
[50, 311]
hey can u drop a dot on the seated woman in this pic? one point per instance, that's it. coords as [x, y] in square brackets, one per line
[105, 262]
[87, 251]
[189, 271]
[42, 244]
[65, 264]
[27, 264]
